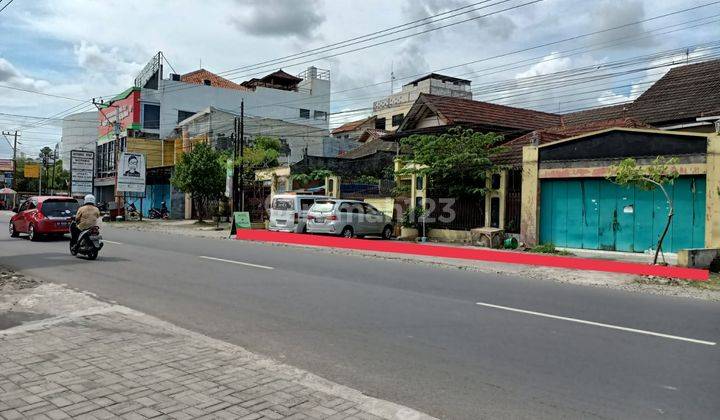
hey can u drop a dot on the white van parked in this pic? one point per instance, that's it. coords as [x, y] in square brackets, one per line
[288, 212]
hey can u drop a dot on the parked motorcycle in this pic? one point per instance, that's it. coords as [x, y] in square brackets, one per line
[161, 213]
[89, 243]
[132, 212]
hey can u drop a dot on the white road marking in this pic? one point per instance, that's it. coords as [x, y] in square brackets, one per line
[237, 262]
[599, 324]
[112, 242]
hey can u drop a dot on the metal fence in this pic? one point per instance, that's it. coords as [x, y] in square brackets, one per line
[457, 213]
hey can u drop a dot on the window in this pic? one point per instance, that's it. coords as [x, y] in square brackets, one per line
[397, 119]
[419, 184]
[283, 204]
[183, 115]
[305, 113]
[380, 123]
[320, 115]
[325, 206]
[370, 210]
[306, 203]
[59, 208]
[151, 117]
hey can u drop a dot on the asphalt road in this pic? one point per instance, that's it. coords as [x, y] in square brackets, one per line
[413, 333]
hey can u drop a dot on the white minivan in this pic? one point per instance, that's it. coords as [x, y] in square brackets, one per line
[288, 211]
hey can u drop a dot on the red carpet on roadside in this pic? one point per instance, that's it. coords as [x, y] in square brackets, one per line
[480, 254]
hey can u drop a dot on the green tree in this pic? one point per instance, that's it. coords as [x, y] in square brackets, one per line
[458, 160]
[261, 154]
[653, 176]
[201, 174]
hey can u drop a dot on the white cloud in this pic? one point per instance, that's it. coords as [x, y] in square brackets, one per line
[278, 18]
[11, 76]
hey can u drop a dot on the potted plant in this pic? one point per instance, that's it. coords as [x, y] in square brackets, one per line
[410, 222]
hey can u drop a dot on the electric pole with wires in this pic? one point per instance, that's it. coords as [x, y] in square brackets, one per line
[14, 146]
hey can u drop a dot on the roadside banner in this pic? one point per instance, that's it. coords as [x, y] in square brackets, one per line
[131, 172]
[82, 172]
[32, 170]
[7, 165]
[241, 220]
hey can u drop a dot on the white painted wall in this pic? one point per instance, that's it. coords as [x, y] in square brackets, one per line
[313, 94]
[79, 132]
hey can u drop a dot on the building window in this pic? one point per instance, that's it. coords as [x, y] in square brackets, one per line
[183, 115]
[380, 123]
[397, 119]
[305, 113]
[320, 115]
[151, 117]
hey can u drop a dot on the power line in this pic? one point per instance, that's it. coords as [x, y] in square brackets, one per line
[6, 5]
[362, 38]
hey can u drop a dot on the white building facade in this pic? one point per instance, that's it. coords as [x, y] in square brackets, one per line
[79, 132]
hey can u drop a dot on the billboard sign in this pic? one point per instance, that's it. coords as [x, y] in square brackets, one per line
[125, 110]
[32, 170]
[6, 165]
[82, 172]
[131, 172]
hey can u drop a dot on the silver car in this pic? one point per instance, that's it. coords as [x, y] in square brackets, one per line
[348, 218]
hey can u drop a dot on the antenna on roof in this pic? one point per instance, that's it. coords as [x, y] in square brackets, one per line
[392, 77]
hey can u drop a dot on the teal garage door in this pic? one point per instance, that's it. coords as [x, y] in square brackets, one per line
[597, 214]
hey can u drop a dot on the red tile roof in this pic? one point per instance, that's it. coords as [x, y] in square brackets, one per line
[596, 114]
[351, 126]
[198, 77]
[458, 111]
[512, 155]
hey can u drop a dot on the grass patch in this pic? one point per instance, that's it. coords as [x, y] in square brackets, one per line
[713, 283]
[548, 249]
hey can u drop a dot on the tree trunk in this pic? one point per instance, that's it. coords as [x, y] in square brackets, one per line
[667, 225]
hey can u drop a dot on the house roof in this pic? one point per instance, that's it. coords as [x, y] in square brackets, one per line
[370, 147]
[280, 74]
[440, 77]
[198, 77]
[458, 111]
[370, 134]
[685, 92]
[352, 125]
[596, 114]
[512, 155]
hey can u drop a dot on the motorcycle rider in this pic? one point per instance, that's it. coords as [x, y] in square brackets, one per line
[163, 210]
[85, 218]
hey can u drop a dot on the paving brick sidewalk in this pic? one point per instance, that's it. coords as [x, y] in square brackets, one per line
[113, 362]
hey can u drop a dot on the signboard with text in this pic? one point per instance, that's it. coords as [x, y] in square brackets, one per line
[32, 170]
[131, 173]
[82, 172]
[126, 111]
[6, 165]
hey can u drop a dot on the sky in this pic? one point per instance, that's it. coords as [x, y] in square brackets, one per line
[77, 50]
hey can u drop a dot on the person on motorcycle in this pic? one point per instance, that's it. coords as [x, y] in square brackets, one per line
[85, 218]
[163, 210]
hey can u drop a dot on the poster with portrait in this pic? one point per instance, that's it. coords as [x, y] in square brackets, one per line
[131, 172]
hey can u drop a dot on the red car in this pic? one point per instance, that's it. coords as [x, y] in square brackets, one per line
[43, 215]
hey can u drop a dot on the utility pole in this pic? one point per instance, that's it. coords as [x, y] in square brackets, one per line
[7, 133]
[242, 146]
[233, 178]
[238, 199]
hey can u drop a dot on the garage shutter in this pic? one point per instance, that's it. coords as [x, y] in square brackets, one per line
[598, 214]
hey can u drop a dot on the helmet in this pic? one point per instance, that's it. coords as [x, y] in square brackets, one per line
[89, 199]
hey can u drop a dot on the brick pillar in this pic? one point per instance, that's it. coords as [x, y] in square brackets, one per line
[529, 210]
[712, 180]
